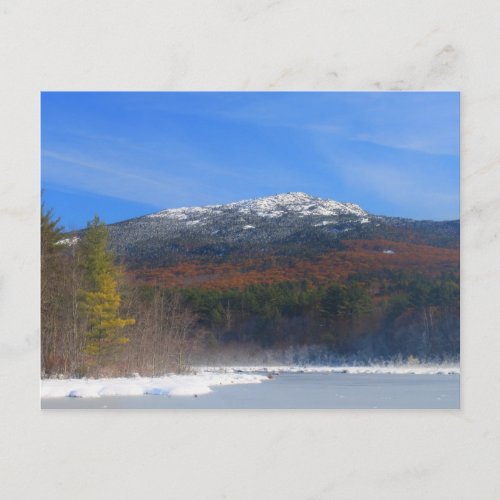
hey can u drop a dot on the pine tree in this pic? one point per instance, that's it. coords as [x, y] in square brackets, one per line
[100, 297]
[50, 233]
[50, 250]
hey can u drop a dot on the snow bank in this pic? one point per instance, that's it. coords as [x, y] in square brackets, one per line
[169, 385]
[396, 369]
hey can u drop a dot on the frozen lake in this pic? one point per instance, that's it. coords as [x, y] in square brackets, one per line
[297, 391]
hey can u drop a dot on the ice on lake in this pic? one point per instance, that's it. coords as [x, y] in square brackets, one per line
[271, 388]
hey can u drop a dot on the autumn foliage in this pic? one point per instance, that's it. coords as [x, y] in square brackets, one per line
[356, 256]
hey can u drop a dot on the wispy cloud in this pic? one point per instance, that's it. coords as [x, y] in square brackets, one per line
[414, 185]
[133, 184]
[435, 142]
[174, 184]
[420, 122]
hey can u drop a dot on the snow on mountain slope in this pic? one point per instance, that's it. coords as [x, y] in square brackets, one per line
[300, 204]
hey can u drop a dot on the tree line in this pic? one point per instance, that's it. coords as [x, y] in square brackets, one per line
[379, 314]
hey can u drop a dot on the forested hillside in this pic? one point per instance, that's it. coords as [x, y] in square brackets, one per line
[162, 292]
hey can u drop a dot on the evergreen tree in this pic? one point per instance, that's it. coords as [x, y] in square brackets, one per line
[50, 233]
[50, 250]
[333, 300]
[100, 297]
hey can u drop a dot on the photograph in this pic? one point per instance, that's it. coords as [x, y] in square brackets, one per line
[250, 250]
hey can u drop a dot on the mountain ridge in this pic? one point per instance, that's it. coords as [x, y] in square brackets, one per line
[293, 223]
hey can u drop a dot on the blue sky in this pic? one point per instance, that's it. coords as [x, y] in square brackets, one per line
[125, 154]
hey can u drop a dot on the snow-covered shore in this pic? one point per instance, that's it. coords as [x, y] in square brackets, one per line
[207, 377]
[168, 385]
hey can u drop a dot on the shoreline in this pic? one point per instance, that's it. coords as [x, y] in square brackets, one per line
[204, 379]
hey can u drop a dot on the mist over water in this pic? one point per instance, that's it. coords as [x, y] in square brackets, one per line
[311, 355]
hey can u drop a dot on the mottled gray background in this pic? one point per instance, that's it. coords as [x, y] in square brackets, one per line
[240, 45]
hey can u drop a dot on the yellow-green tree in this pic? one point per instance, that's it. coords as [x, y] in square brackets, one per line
[100, 297]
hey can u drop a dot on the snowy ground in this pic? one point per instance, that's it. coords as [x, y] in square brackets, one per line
[169, 385]
[206, 378]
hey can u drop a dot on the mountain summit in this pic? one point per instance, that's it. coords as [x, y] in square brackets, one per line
[301, 204]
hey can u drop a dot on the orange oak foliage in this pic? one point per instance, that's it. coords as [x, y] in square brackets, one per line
[356, 256]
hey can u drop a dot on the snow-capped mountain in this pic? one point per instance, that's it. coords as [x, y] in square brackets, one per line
[291, 223]
[299, 204]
